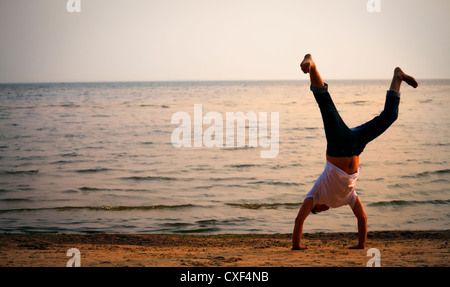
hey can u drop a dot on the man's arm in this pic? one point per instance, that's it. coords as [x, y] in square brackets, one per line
[358, 211]
[304, 211]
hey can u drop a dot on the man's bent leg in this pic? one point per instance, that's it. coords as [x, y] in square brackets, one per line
[374, 128]
[399, 77]
[378, 125]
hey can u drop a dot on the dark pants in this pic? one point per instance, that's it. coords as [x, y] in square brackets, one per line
[343, 141]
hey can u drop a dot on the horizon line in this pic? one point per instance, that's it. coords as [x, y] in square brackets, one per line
[193, 81]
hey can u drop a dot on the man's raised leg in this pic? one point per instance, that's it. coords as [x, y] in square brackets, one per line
[308, 66]
[399, 77]
[378, 125]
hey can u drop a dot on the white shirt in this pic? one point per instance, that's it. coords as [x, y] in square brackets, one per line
[334, 187]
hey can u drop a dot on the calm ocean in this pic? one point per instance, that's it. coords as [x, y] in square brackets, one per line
[98, 157]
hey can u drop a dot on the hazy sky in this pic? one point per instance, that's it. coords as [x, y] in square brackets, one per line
[145, 40]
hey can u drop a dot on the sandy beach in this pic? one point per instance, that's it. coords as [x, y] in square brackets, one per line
[397, 249]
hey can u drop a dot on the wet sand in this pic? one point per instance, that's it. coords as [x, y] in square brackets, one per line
[397, 249]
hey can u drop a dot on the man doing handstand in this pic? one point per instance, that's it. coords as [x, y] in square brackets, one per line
[335, 187]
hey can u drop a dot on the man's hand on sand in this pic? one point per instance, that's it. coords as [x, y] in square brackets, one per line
[300, 248]
[356, 247]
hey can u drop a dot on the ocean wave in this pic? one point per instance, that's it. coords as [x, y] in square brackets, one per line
[399, 185]
[221, 185]
[72, 154]
[61, 162]
[198, 230]
[231, 178]
[101, 208]
[264, 205]
[277, 183]
[278, 166]
[92, 170]
[15, 199]
[64, 105]
[427, 173]
[408, 202]
[242, 165]
[238, 148]
[150, 178]
[20, 172]
[17, 107]
[442, 144]
[359, 103]
[88, 188]
[202, 226]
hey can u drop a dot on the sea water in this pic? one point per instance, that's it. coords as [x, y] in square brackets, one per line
[98, 157]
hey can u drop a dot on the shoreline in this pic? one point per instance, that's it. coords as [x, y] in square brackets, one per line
[397, 249]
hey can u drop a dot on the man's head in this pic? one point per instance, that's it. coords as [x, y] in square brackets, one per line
[319, 208]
